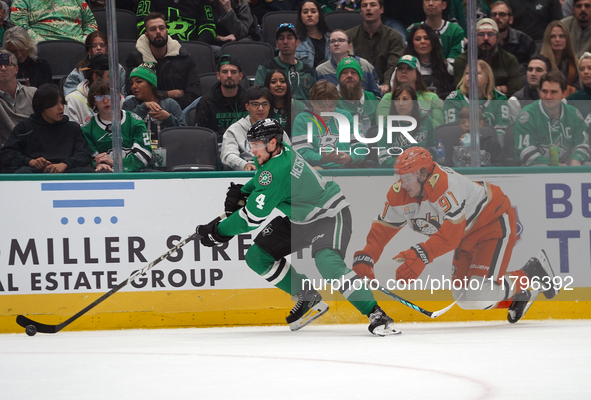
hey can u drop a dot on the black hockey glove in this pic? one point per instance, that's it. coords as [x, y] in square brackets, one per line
[209, 234]
[235, 198]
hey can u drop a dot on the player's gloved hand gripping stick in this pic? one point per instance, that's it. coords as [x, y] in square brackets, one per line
[32, 327]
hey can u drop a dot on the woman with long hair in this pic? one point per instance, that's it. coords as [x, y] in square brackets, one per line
[423, 43]
[96, 43]
[404, 102]
[581, 99]
[157, 112]
[313, 34]
[32, 71]
[492, 103]
[136, 150]
[558, 47]
[283, 107]
[429, 103]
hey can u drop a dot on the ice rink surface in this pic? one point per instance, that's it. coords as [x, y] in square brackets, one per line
[478, 360]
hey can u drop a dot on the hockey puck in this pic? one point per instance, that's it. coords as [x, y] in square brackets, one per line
[31, 330]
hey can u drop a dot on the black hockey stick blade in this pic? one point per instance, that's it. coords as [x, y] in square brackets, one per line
[43, 328]
[46, 328]
[430, 314]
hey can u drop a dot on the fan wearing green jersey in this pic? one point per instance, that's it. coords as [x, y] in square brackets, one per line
[137, 152]
[548, 122]
[491, 102]
[316, 214]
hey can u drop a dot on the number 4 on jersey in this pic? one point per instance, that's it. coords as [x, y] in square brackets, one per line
[260, 201]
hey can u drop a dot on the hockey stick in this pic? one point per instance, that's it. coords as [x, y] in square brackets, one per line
[33, 327]
[430, 314]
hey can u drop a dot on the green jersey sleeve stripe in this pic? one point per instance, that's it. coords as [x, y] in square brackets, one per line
[250, 219]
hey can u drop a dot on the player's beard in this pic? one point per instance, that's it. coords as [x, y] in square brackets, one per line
[351, 93]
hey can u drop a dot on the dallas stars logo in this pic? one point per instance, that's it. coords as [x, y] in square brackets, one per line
[265, 178]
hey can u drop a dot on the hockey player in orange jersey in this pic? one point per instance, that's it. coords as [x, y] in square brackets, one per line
[475, 219]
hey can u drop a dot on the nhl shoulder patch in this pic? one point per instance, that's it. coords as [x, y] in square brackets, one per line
[265, 178]
[523, 117]
[135, 116]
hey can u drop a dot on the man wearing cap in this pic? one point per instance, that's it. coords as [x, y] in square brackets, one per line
[339, 46]
[512, 40]
[77, 106]
[353, 98]
[579, 26]
[177, 73]
[504, 65]
[224, 104]
[301, 76]
[380, 45]
[16, 100]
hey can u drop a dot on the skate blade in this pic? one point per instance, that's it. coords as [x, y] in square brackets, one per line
[543, 258]
[314, 313]
[386, 331]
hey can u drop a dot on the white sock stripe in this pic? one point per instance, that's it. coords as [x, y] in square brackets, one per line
[273, 269]
[284, 271]
[277, 272]
[338, 231]
[349, 278]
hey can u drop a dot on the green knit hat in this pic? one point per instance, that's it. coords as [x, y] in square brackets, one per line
[147, 72]
[349, 62]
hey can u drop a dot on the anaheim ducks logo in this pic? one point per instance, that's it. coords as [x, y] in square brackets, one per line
[428, 226]
[396, 187]
[433, 180]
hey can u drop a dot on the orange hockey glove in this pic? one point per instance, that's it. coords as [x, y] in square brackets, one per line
[414, 259]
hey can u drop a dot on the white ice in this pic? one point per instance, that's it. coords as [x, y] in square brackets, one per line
[478, 360]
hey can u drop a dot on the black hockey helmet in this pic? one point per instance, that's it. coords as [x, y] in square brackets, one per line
[265, 130]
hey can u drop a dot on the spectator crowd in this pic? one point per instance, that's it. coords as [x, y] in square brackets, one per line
[382, 65]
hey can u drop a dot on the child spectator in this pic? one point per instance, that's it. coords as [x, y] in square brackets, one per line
[47, 141]
[137, 152]
[491, 151]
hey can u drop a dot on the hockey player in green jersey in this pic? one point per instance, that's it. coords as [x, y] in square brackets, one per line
[316, 214]
[549, 122]
[137, 152]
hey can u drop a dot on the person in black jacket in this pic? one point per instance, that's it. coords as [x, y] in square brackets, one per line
[225, 104]
[176, 71]
[47, 141]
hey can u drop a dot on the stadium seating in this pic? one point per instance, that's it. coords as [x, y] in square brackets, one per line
[189, 148]
[126, 23]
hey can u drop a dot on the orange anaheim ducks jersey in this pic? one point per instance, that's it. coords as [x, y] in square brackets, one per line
[452, 206]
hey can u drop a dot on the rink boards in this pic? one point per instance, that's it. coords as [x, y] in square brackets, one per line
[63, 243]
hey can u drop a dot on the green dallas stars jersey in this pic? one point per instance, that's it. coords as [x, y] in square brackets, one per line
[137, 152]
[495, 111]
[291, 185]
[535, 132]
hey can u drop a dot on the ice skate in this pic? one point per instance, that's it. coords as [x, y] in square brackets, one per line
[380, 324]
[308, 308]
[522, 301]
[539, 267]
